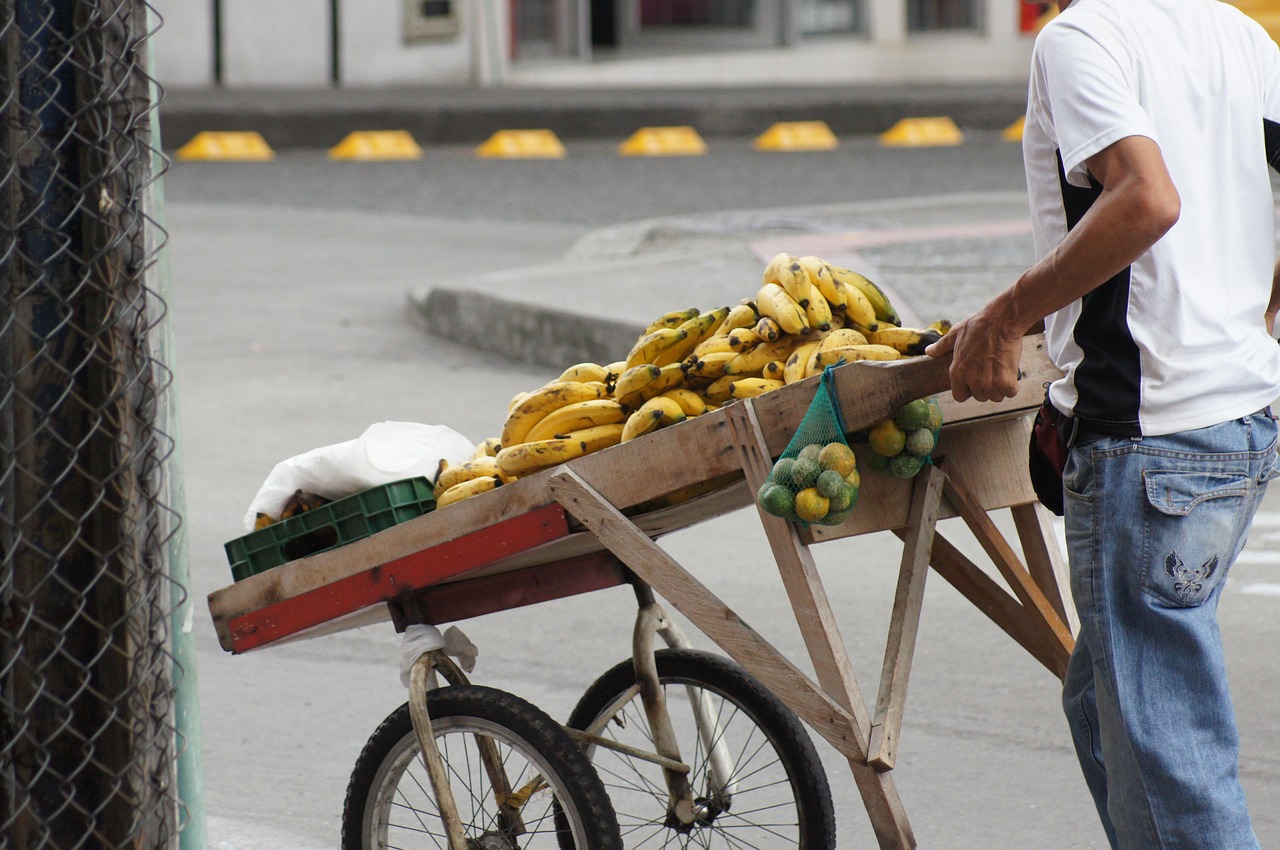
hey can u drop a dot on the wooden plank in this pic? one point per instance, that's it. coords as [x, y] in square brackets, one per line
[988, 597]
[261, 626]
[461, 600]
[904, 621]
[1052, 630]
[691, 598]
[821, 632]
[1044, 557]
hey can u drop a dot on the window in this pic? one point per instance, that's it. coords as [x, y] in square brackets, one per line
[429, 19]
[931, 15]
[820, 17]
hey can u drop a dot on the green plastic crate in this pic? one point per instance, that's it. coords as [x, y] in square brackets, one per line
[329, 526]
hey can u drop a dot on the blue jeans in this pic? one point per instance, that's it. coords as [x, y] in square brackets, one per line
[1153, 524]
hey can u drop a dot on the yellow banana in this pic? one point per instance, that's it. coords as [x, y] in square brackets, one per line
[465, 490]
[741, 339]
[797, 368]
[752, 387]
[881, 309]
[711, 365]
[585, 372]
[785, 271]
[598, 437]
[909, 341]
[573, 417]
[852, 353]
[820, 277]
[641, 422]
[690, 402]
[674, 319]
[743, 315]
[842, 337]
[720, 342]
[753, 361]
[669, 410]
[669, 377]
[632, 381]
[649, 345]
[516, 399]
[942, 326]
[527, 458]
[454, 474]
[696, 330]
[818, 310]
[767, 329]
[773, 370]
[488, 448]
[537, 404]
[616, 368]
[721, 389]
[776, 303]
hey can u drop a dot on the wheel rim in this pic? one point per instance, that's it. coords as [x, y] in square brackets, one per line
[403, 812]
[761, 808]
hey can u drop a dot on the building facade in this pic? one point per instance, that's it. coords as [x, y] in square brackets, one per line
[319, 43]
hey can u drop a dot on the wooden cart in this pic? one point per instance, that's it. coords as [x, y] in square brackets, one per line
[589, 524]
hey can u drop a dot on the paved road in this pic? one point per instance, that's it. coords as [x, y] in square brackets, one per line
[290, 284]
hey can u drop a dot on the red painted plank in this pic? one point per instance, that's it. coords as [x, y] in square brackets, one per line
[387, 581]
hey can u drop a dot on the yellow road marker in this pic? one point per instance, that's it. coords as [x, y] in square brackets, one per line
[522, 144]
[1013, 133]
[797, 136]
[376, 145]
[227, 146]
[923, 132]
[664, 141]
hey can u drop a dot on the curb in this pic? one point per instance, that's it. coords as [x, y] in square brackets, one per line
[535, 335]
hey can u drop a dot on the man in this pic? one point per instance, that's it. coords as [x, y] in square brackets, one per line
[1149, 128]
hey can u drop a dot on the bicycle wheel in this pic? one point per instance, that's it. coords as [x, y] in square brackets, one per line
[772, 791]
[390, 803]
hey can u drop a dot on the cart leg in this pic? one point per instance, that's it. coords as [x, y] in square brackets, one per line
[1044, 559]
[430, 755]
[821, 634]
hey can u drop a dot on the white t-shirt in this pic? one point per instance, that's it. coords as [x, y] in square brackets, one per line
[1178, 341]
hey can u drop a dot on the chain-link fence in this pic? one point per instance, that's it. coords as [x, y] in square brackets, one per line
[87, 736]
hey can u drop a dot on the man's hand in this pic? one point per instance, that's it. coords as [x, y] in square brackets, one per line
[985, 357]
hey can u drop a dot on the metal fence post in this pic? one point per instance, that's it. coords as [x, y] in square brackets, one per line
[86, 693]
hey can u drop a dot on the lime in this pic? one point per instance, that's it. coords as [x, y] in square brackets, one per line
[805, 473]
[776, 499]
[845, 499]
[837, 456]
[920, 442]
[782, 470]
[887, 439]
[906, 466]
[830, 482]
[811, 505]
[913, 415]
[837, 517]
[810, 452]
[876, 462]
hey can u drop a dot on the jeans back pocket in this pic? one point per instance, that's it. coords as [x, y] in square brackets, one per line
[1192, 533]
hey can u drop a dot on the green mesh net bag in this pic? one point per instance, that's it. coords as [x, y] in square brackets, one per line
[816, 479]
[903, 445]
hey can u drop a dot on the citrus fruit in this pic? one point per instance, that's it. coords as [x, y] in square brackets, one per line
[935, 414]
[845, 499]
[782, 470]
[810, 452]
[913, 415]
[837, 456]
[811, 505]
[920, 442]
[876, 462]
[887, 439]
[854, 478]
[776, 499]
[830, 482]
[837, 517]
[805, 473]
[906, 466]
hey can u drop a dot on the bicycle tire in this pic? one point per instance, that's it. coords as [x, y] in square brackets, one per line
[782, 798]
[389, 803]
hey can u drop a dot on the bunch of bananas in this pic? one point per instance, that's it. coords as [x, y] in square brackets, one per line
[807, 314]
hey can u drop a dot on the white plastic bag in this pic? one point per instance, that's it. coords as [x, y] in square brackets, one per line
[420, 639]
[385, 452]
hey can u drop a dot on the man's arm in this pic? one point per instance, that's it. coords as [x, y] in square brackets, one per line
[1273, 306]
[1138, 205]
